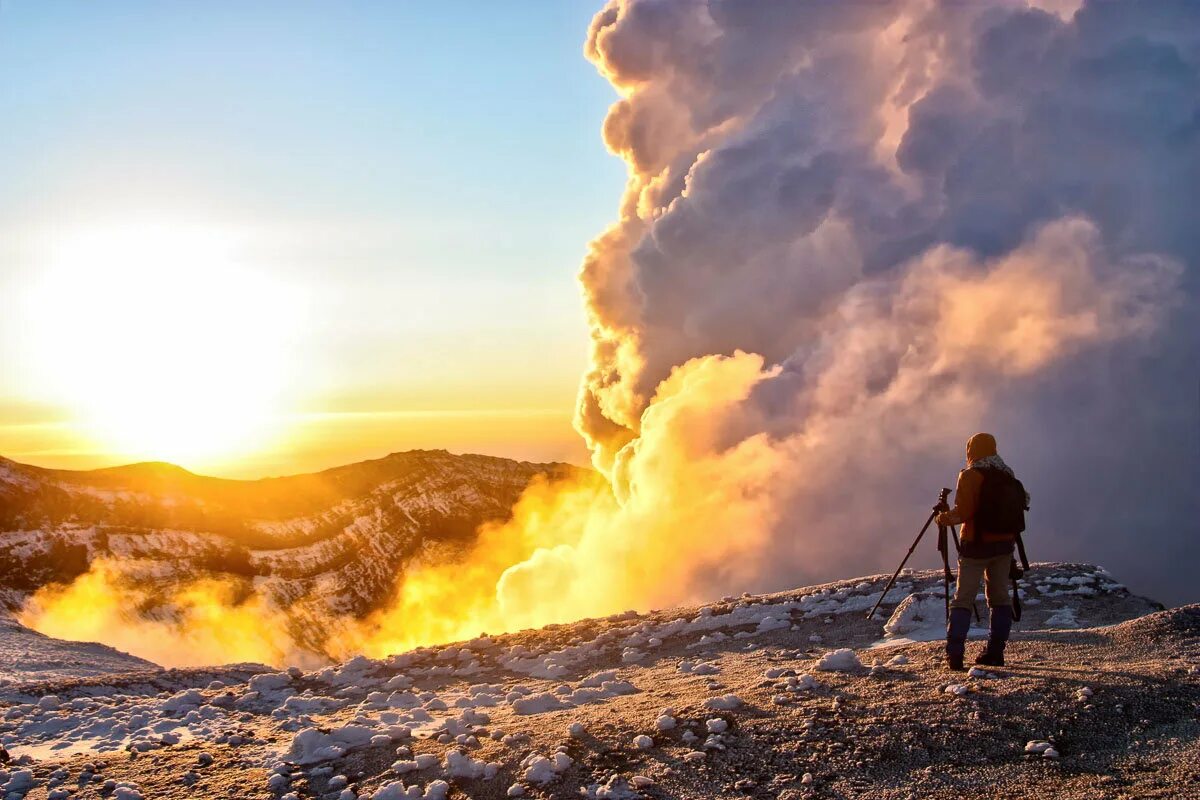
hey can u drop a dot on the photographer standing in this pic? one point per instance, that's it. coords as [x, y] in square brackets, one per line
[989, 503]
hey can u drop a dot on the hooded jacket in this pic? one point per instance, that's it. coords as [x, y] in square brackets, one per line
[981, 454]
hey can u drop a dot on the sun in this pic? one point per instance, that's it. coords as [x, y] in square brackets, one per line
[161, 343]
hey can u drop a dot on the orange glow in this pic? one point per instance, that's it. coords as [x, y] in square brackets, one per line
[152, 338]
[158, 343]
[315, 441]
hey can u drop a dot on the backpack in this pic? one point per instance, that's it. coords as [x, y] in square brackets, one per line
[1001, 508]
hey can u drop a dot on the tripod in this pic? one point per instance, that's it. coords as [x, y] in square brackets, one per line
[946, 533]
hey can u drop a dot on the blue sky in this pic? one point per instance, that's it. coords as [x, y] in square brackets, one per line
[427, 176]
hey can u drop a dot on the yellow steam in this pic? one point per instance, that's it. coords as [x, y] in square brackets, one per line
[209, 624]
[451, 601]
[679, 506]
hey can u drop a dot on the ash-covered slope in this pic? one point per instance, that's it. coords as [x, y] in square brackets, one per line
[787, 696]
[328, 543]
[27, 655]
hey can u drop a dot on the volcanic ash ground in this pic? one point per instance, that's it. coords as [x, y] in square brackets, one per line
[792, 695]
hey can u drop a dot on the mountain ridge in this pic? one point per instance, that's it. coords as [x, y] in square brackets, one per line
[329, 543]
[166, 475]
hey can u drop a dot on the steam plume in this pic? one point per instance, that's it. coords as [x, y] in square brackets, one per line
[207, 621]
[926, 218]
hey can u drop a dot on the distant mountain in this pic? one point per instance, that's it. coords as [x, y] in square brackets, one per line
[331, 541]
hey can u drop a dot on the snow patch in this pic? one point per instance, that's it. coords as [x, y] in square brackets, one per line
[843, 660]
[726, 702]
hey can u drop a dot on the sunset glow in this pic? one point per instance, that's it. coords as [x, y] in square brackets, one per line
[155, 339]
[294, 254]
[161, 343]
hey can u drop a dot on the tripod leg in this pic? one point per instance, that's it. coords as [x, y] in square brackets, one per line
[944, 549]
[907, 555]
[946, 592]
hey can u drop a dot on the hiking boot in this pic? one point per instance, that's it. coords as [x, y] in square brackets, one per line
[956, 637]
[989, 659]
[1000, 621]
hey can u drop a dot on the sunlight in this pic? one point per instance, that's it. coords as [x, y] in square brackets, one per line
[160, 342]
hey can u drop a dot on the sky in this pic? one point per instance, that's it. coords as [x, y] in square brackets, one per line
[268, 238]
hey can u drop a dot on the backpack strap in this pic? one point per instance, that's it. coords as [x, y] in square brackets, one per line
[1016, 601]
[1016, 594]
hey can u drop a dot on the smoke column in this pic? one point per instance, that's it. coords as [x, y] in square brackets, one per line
[882, 226]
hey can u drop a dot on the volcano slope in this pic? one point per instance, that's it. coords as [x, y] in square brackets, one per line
[790, 695]
[322, 545]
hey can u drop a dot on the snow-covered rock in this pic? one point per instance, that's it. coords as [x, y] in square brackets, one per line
[1062, 618]
[541, 770]
[538, 704]
[917, 610]
[311, 745]
[726, 702]
[843, 660]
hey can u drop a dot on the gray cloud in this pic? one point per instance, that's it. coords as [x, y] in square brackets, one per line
[835, 186]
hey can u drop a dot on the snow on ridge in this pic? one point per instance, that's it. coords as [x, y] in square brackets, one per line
[15, 477]
[113, 496]
[164, 542]
[340, 558]
[26, 655]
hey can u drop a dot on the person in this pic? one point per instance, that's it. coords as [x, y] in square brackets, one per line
[989, 503]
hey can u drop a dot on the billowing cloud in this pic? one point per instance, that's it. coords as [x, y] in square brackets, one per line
[925, 218]
[198, 623]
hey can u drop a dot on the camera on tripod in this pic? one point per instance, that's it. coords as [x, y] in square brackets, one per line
[946, 533]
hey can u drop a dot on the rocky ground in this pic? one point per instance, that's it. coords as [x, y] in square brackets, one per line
[792, 695]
